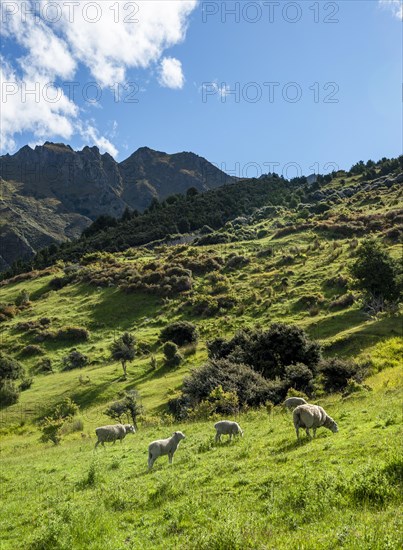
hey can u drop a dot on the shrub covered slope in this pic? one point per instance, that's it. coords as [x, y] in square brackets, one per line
[279, 264]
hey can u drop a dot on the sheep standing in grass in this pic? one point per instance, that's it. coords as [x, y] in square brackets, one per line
[293, 402]
[112, 433]
[227, 427]
[164, 447]
[312, 416]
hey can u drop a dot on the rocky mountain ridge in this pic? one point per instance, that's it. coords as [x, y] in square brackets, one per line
[52, 193]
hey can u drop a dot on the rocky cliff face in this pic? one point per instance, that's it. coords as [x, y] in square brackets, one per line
[51, 193]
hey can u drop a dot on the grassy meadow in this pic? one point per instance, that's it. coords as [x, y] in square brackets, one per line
[263, 491]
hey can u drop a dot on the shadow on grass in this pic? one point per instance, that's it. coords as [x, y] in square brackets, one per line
[87, 397]
[293, 445]
[120, 310]
[335, 323]
[366, 336]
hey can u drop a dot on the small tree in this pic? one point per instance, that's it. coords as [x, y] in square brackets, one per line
[124, 350]
[52, 424]
[129, 406]
[376, 274]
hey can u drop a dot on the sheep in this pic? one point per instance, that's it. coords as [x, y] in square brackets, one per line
[312, 416]
[112, 433]
[293, 402]
[227, 427]
[164, 447]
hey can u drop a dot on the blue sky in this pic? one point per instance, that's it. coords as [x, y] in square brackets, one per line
[285, 86]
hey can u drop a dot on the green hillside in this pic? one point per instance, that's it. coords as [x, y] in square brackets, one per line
[283, 261]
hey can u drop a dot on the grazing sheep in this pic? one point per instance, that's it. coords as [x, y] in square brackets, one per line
[164, 447]
[112, 433]
[293, 402]
[227, 427]
[312, 416]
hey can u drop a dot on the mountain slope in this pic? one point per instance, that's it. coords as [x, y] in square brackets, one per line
[51, 193]
[263, 491]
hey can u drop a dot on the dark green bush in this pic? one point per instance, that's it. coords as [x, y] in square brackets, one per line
[9, 393]
[76, 334]
[26, 383]
[44, 366]
[31, 350]
[336, 373]
[74, 360]
[10, 369]
[249, 386]
[59, 282]
[236, 262]
[342, 302]
[268, 352]
[181, 333]
[172, 356]
[299, 377]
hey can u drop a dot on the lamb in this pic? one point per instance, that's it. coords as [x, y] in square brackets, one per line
[112, 433]
[293, 402]
[227, 427]
[164, 447]
[312, 416]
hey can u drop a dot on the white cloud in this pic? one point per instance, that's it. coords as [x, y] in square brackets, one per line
[109, 48]
[24, 110]
[91, 134]
[396, 6]
[171, 75]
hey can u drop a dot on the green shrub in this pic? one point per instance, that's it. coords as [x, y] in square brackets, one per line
[336, 373]
[59, 282]
[32, 350]
[269, 352]
[51, 428]
[236, 262]
[172, 356]
[170, 349]
[342, 302]
[299, 377]
[74, 360]
[7, 311]
[181, 333]
[9, 393]
[22, 299]
[75, 334]
[249, 386]
[26, 383]
[44, 366]
[65, 409]
[10, 369]
[377, 274]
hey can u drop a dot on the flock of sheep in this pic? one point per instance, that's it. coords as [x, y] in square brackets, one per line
[304, 415]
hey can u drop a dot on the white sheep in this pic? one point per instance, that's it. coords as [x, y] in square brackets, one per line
[293, 402]
[112, 433]
[227, 427]
[164, 447]
[312, 416]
